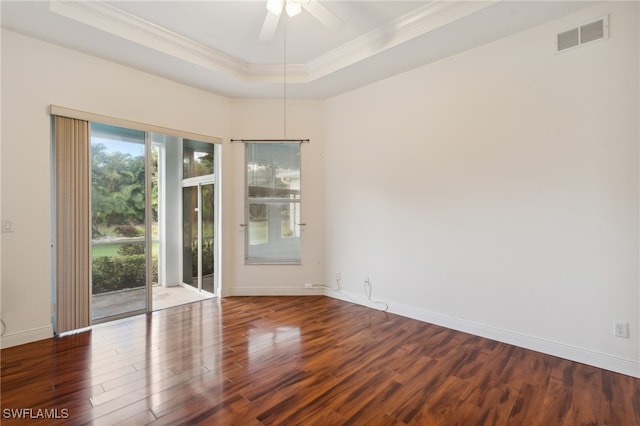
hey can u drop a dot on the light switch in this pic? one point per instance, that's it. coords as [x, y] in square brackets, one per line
[7, 226]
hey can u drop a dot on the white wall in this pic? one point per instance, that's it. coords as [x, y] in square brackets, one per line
[34, 76]
[264, 119]
[496, 191]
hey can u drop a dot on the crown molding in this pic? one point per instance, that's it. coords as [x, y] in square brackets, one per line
[274, 73]
[117, 22]
[421, 21]
[129, 27]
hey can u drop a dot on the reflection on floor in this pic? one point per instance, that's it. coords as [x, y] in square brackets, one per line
[118, 302]
[207, 282]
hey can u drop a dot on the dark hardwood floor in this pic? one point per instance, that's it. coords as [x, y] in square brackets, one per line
[300, 360]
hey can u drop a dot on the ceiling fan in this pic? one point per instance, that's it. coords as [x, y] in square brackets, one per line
[293, 8]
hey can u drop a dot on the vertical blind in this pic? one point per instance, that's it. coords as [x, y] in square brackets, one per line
[72, 247]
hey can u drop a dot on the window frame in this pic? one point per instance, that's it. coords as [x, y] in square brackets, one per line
[271, 203]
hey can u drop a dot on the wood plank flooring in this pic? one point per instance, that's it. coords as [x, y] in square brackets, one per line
[300, 361]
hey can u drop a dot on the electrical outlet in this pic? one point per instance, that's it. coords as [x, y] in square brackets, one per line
[308, 285]
[621, 329]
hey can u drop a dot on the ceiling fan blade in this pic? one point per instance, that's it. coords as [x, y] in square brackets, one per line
[269, 26]
[322, 14]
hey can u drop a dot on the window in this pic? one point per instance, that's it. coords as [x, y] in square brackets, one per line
[273, 203]
[197, 159]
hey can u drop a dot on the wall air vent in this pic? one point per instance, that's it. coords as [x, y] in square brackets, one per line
[591, 31]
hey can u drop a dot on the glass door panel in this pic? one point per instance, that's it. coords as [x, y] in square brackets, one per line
[156, 210]
[118, 209]
[198, 236]
[190, 236]
[208, 237]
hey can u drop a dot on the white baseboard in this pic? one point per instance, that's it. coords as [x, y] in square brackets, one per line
[585, 356]
[274, 291]
[26, 336]
[562, 350]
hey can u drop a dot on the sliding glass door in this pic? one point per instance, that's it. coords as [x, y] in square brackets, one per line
[198, 216]
[118, 214]
[143, 185]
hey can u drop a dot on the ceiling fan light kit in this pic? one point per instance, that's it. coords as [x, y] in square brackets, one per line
[275, 6]
[292, 7]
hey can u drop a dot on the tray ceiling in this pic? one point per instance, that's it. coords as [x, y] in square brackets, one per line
[215, 46]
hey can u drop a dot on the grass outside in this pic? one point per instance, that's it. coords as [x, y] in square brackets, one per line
[111, 249]
[110, 231]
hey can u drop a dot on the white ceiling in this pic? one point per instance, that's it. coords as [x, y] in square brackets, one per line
[215, 46]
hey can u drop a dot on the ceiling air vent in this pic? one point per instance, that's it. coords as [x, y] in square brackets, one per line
[583, 34]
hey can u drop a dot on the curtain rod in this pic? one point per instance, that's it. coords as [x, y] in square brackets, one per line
[269, 140]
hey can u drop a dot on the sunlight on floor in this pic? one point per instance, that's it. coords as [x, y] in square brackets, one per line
[166, 297]
[114, 303]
